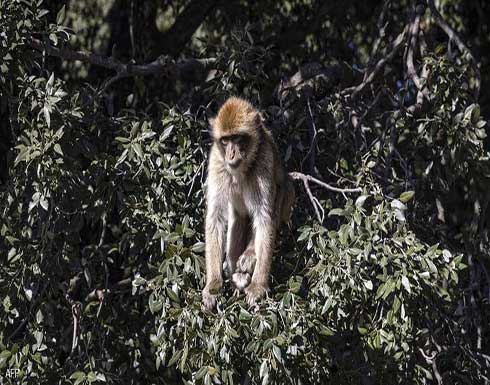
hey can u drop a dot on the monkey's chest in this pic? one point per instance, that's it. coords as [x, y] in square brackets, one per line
[245, 199]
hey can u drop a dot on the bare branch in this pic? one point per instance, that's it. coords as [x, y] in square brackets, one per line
[312, 132]
[300, 176]
[189, 69]
[314, 201]
[392, 51]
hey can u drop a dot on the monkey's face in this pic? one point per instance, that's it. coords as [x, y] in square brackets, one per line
[234, 150]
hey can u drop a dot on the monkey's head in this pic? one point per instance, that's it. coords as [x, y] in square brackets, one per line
[236, 131]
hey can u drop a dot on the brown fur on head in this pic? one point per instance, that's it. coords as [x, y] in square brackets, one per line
[236, 133]
[235, 117]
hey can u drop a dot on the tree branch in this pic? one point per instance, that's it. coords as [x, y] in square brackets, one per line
[371, 73]
[300, 176]
[188, 70]
[314, 201]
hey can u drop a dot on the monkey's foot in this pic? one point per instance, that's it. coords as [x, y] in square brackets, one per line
[241, 280]
[255, 292]
[209, 294]
[209, 300]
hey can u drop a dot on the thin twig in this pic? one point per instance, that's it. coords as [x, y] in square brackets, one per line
[311, 155]
[76, 313]
[106, 268]
[312, 199]
[300, 176]
[194, 179]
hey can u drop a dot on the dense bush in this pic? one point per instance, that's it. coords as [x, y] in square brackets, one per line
[102, 174]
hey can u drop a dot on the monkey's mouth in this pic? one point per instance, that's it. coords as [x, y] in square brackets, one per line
[234, 164]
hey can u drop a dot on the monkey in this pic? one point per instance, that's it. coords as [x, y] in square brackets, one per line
[248, 195]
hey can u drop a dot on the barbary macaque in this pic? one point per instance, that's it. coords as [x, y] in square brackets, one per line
[249, 194]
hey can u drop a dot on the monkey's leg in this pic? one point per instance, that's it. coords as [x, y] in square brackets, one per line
[245, 266]
[215, 237]
[265, 233]
[236, 239]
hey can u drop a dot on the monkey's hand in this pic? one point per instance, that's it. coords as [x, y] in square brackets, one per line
[244, 270]
[254, 292]
[209, 294]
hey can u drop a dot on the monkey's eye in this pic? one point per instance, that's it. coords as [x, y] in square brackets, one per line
[242, 140]
[224, 141]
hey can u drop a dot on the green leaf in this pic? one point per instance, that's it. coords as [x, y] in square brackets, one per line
[137, 149]
[175, 357]
[396, 204]
[42, 12]
[337, 211]
[406, 284]
[22, 155]
[198, 247]
[91, 377]
[39, 316]
[77, 375]
[303, 235]
[173, 295]
[406, 196]
[44, 203]
[368, 284]
[4, 356]
[49, 83]
[138, 281]
[277, 352]
[47, 115]
[167, 132]
[57, 149]
[264, 369]
[360, 200]
[362, 331]
[60, 17]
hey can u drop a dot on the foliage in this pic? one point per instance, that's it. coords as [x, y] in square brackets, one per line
[102, 196]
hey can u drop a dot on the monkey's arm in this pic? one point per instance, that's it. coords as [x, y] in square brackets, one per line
[264, 228]
[215, 243]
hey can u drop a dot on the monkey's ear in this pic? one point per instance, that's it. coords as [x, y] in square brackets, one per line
[211, 122]
[258, 119]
